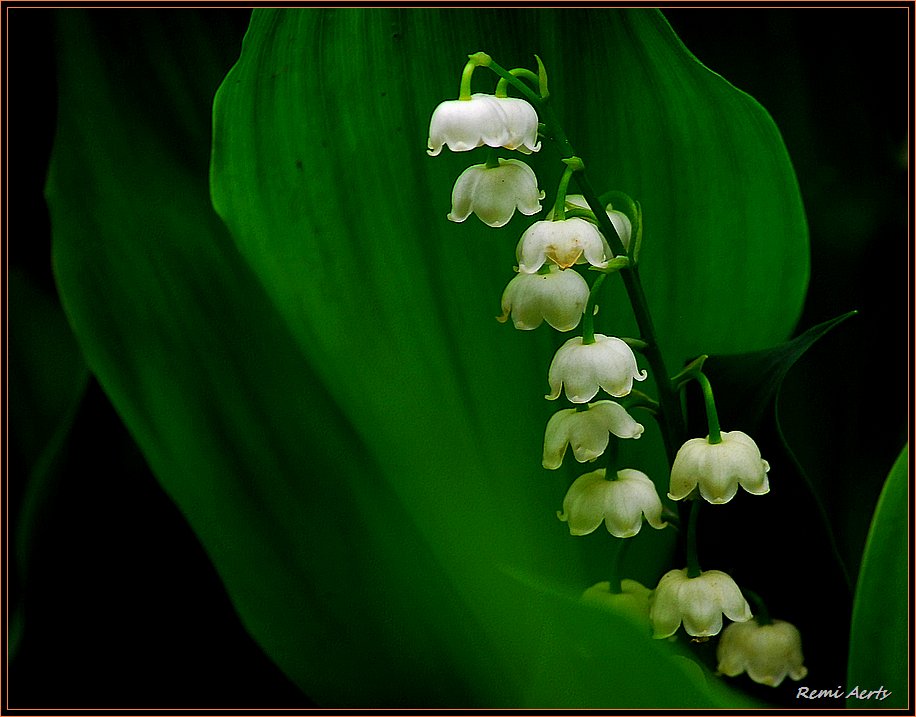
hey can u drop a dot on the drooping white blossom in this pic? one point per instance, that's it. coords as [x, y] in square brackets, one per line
[558, 297]
[564, 243]
[587, 432]
[620, 220]
[583, 369]
[768, 653]
[621, 504]
[462, 125]
[699, 603]
[717, 469]
[494, 193]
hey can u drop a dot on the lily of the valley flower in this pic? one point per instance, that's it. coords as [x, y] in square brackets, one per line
[620, 503]
[587, 432]
[620, 220]
[632, 600]
[697, 602]
[583, 369]
[484, 120]
[558, 297]
[494, 193]
[564, 243]
[719, 468]
[768, 653]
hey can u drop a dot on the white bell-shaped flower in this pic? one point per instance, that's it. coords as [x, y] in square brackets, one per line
[494, 193]
[768, 653]
[558, 297]
[484, 120]
[564, 243]
[620, 220]
[583, 369]
[698, 602]
[587, 432]
[620, 503]
[719, 468]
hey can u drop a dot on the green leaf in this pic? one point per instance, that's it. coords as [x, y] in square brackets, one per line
[879, 643]
[751, 381]
[320, 173]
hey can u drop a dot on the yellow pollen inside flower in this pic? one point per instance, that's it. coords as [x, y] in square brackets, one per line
[566, 259]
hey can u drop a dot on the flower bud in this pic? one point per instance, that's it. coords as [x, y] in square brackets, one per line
[632, 600]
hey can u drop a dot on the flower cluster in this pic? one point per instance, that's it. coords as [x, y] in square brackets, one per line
[548, 287]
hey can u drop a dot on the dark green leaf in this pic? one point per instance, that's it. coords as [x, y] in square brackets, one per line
[749, 382]
[879, 643]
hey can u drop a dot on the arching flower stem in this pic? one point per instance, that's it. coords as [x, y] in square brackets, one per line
[518, 72]
[573, 164]
[712, 416]
[464, 91]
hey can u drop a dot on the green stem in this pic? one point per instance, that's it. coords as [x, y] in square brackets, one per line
[588, 318]
[611, 453]
[492, 160]
[559, 205]
[693, 562]
[518, 72]
[712, 416]
[761, 614]
[474, 61]
[616, 562]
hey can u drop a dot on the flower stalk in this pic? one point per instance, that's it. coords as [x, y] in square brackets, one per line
[712, 416]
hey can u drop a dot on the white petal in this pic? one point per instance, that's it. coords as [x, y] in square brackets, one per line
[584, 504]
[665, 610]
[556, 438]
[463, 192]
[616, 419]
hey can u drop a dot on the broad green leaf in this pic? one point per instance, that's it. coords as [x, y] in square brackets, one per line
[879, 644]
[320, 173]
